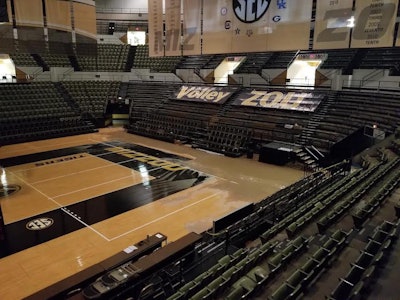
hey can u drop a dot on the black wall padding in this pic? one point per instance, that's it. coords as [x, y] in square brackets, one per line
[3, 11]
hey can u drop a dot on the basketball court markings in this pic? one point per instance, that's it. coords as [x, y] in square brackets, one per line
[91, 227]
[165, 216]
[42, 146]
[180, 155]
[70, 183]
[20, 168]
[47, 186]
[43, 164]
[111, 164]
[42, 172]
[55, 198]
[94, 186]
[61, 207]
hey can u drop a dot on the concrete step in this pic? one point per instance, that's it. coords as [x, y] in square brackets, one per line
[301, 154]
[298, 150]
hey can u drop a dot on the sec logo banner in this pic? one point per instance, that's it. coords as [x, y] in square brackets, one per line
[250, 11]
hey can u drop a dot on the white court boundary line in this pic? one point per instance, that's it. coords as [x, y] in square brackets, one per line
[86, 155]
[93, 186]
[164, 216]
[61, 207]
[70, 213]
[111, 164]
[107, 144]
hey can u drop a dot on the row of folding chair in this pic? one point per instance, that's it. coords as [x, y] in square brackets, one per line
[299, 218]
[357, 193]
[370, 207]
[254, 281]
[304, 276]
[365, 267]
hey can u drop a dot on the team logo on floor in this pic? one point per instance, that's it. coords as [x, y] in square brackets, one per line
[39, 224]
[7, 190]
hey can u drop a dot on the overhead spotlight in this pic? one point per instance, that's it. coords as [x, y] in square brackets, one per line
[351, 22]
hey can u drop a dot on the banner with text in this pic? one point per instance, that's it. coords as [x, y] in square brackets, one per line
[241, 26]
[58, 15]
[398, 39]
[217, 95]
[156, 44]
[191, 44]
[289, 25]
[233, 26]
[173, 28]
[85, 19]
[6, 29]
[29, 13]
[300, 101]
[333, 21]
[375, 22]
[217, 26]
[251, 26]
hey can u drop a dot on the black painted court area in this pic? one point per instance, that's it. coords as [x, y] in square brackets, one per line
[44, 227]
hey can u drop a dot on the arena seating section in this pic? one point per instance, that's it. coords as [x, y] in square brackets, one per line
[111, 58]
[224, 128]
[56, 60]
[37, 111]
[24, 60]
[332, 235]
[116, 58]
[157, 64]
[92, 97]
[384, 58]
[156, 114]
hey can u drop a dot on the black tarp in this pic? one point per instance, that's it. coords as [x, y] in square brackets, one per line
[3, 11]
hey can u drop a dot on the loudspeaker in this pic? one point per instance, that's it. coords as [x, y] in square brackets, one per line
[111, 27]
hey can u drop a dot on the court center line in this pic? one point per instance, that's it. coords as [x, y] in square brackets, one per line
[83, 223]
[163, 217]
[62, 207]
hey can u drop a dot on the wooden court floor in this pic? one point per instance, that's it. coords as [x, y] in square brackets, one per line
[77, 182]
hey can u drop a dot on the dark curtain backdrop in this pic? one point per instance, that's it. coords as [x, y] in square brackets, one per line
[3, 11]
